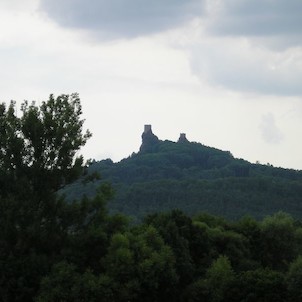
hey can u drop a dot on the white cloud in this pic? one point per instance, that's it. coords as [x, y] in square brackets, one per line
[17, 5]
[242, 64]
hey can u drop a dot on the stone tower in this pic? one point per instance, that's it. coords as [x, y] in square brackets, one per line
[148, 128]
[182, 138]
[149, 140]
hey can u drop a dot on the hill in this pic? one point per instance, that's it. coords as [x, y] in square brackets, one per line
[192, 177]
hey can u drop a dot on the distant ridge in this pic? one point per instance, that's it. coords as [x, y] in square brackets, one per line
[165, 175]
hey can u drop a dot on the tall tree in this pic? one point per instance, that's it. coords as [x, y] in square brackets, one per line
[41, 145]
[37, 156]
[278, 241]
[294, 280]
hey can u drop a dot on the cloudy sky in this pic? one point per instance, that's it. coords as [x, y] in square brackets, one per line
[228, 73]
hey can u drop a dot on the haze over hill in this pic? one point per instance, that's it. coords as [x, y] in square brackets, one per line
[165, 175]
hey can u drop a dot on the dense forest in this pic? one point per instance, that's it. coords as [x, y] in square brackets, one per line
[52, 249]
[165, 175]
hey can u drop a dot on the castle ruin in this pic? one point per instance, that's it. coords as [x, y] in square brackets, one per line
[182, 138]
[149, 139]
[148, 128]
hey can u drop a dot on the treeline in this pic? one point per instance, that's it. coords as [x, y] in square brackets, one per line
[88, 255]
[193, 178]
[54, 250]
[231, 197]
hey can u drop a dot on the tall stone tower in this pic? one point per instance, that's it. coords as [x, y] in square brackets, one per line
[148, 128]
[148, 139]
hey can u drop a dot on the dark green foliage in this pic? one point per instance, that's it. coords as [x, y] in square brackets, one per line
[219, 278]
[37, 157]
[37, 150]
[294, 280]
[65, 283]
[161, 260]
[259, 285]
[176, 229]
[280, 243]
[54, 250]
[194, 178]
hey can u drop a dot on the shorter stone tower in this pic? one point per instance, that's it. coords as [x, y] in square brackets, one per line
[182, 138]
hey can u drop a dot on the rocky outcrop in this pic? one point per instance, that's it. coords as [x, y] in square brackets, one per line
[149, 140]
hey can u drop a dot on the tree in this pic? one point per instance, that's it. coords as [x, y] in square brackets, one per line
[40, 146]
[141, 266]
[215, 285]
[176, 230]
[219, 278]
[250, 229]
[37, 157]
[65, 283]
[258, 285]
[155, 265]
[294, 280]
[279, 241]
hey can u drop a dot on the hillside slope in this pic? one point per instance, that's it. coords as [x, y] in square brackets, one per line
[192, 177]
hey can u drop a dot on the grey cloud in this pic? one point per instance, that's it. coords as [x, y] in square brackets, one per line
[251, 46]
[121, 18]
[232, 64]
[258, 18]
[270, 132]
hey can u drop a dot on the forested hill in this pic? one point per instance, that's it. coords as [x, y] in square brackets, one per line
[192, 177]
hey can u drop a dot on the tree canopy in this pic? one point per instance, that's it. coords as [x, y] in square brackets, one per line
[40, 146]
[38, 155]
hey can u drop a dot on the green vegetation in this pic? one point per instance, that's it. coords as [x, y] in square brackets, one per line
[54, 250]
[194, 178]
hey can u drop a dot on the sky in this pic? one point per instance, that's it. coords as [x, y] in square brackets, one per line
[228, 73]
